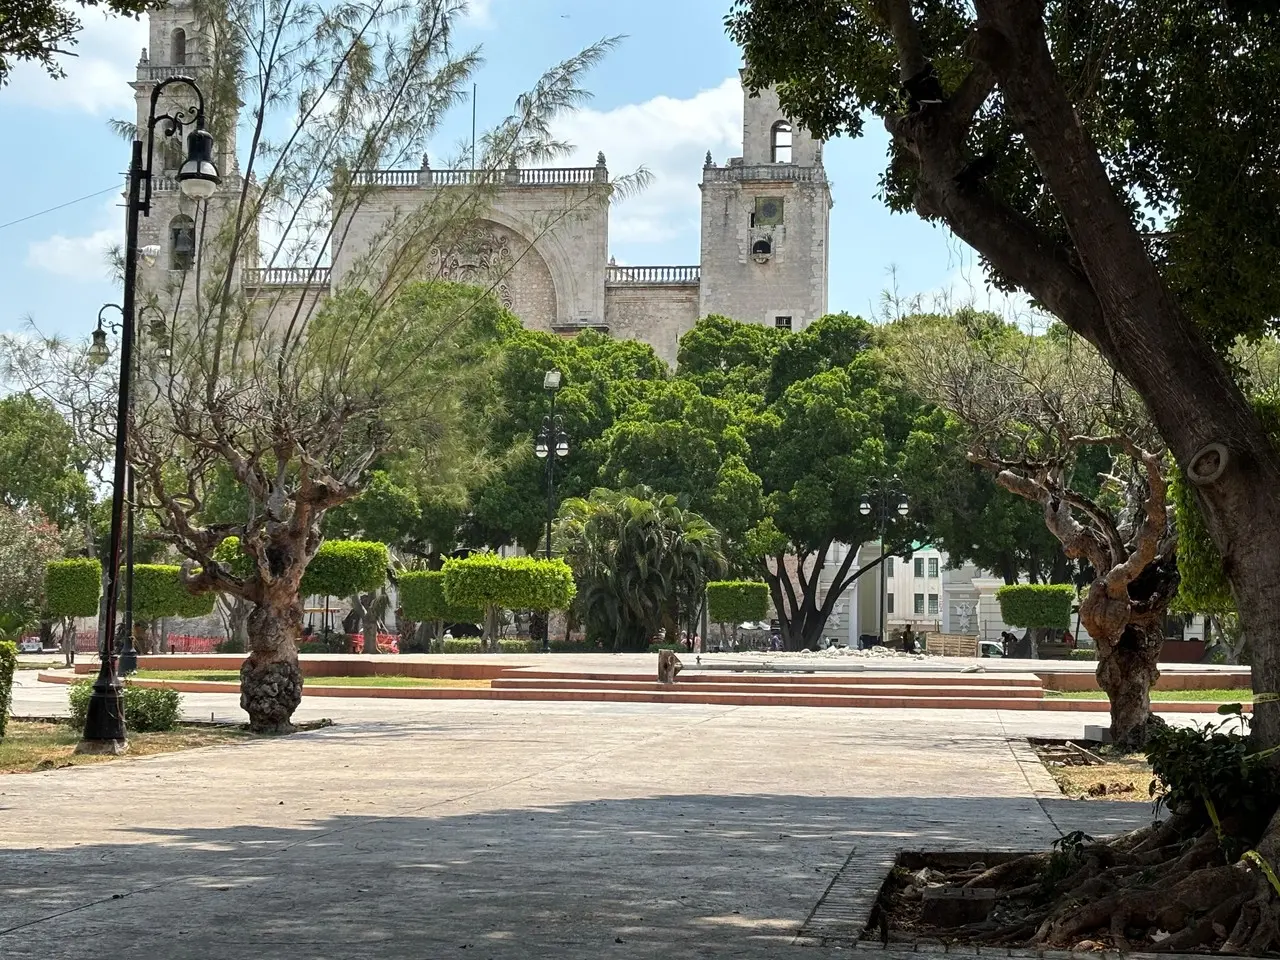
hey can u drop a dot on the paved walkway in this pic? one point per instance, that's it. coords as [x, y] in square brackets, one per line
[429, 829]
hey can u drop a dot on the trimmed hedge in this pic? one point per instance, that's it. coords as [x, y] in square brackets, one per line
[72, 588]
[737, 601]
[422, 598]
[517, 645]
[146, 709]
[487, 580]
[1037, 604]
[158, 592]
[343, 568]
[461, 645]
[8, 666]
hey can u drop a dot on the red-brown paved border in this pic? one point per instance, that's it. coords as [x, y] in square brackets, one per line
[676, 695]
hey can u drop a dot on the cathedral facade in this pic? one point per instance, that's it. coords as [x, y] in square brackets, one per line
[763, 248]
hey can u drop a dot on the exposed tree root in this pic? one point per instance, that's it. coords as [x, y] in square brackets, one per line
[1169, 887]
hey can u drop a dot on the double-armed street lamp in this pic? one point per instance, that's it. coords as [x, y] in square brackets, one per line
[888, 504]
[104, 728]
[551, 444]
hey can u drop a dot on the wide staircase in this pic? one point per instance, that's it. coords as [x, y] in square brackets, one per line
[954, 691]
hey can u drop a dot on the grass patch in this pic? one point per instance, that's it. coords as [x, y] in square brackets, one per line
[43, 665]
[1207, 696]
[29, 746]
[233, 676]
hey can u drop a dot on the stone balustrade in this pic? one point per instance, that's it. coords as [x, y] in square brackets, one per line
[655, 276]
[764, 171]
[526, 177]
[286, 277]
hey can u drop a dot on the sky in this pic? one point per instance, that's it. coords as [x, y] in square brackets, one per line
[662, 99]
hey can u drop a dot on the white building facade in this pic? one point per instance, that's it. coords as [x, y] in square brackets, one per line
[763, 245]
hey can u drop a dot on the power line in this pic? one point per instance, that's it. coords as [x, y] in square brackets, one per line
[32, 216]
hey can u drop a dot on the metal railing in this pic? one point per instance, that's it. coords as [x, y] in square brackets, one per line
[286, 276]
[765, 171]
[652, 275]
[528, 177]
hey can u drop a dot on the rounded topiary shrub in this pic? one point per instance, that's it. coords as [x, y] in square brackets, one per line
[485, 580]
[158, 592]
[1036, 604]
[343, 568]
[737, 601]
[422, 598]
[72, 588]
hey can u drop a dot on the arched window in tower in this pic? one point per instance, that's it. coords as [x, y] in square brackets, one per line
[178, 47]
[182, 243]
[781, 142]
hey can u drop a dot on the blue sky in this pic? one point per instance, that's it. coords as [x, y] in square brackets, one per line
[667, 95]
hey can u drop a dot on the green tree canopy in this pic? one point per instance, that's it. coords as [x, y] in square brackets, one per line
[73, 587]
[28, 542]
[342, 568]
[38, 462]
[1036, 604]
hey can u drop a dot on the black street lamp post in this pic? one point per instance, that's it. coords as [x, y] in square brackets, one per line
[887, 502]
[104, 728]
[551, 444]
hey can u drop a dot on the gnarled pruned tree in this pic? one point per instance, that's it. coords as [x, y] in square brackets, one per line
[295, 389]
[1036, 410]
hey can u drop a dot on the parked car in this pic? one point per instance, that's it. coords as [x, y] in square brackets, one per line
[30, 645]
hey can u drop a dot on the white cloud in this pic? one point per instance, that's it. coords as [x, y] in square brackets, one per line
[82, 257]
[479, 13]
[97, 80]
[670, 138]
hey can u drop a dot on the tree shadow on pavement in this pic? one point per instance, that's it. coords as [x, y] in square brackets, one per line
[669, 876]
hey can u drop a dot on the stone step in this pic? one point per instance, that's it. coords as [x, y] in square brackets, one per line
[885, 688]
[692, 675]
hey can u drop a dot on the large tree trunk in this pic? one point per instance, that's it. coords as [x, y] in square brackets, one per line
[1128, 631]
[270, 680]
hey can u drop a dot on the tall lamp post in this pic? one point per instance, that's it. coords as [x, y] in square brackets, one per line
[886, 502]
[551, 444]
[104, 727]
[99, 353]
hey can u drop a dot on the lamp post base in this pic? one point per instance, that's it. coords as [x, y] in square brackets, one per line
[104, 730]
[103, 748]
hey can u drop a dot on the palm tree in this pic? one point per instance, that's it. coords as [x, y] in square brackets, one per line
[640, 559]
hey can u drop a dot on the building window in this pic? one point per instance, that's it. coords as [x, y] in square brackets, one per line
[919, 603]
[781, 142]
[919, 567]
[933, 604]
[782, 323]
[178, 47]
[888, 566]
[888, 602]
[182, 243]
[933, 566]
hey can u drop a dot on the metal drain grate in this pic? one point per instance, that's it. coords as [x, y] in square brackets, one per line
[842, 913]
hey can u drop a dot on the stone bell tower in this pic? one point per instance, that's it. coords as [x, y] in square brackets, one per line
[766, 223]
[180, 45]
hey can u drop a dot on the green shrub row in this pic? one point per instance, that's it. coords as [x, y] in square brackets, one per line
[8, 666]
[146, 709]
[422, 599]
[485, 580]
[340, 568]
[517, 645]
[737, 601]
[461, 645]
[72, 588]
[1036, 604]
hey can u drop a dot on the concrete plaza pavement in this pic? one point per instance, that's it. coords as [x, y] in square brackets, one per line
[425, 829]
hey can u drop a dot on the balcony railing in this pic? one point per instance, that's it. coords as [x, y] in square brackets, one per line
[286, 277]
[655, 276]
[162, 71]
[765, 171]
[527, 177]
